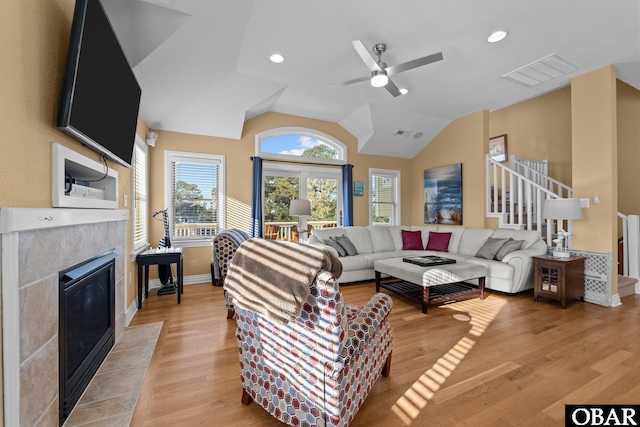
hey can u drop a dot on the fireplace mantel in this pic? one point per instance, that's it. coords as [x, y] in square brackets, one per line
[36, 244]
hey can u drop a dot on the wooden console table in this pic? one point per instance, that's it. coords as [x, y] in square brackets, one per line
[158, 257]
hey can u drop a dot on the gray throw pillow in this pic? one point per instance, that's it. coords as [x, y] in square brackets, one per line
[335, 245]
[490, 248]
[347, 245]
[510, 246]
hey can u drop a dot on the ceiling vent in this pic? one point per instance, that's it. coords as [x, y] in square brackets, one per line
[542, 70]
[402, 132]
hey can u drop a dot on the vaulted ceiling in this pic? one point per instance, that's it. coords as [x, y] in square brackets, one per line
[204, 66]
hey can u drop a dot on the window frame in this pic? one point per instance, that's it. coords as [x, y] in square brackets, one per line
[140, 246]
[397, 208]
[171, 156]
[334, 143]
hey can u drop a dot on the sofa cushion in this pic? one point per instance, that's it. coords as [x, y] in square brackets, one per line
[348, 246]
[490, 248]
[396, 235]
[412, 240]
[335, 245]
[357, 262]
[359, 236]
[381, 238]
[323, 234]
[438, 241]
[456, 235]
[529, 236]
[425, 229]
[510, 246]
[472, 239]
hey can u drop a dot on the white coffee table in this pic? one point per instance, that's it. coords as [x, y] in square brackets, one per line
[413, 277]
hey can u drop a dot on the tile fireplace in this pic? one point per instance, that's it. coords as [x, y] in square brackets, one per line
[38, 244]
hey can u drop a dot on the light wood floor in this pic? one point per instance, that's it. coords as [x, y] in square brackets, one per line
[516, 363]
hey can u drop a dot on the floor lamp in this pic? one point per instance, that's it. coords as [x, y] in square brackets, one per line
[300, 208]
[560, 210]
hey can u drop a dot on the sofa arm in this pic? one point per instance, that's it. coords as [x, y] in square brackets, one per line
[522, 263]
[368, 320]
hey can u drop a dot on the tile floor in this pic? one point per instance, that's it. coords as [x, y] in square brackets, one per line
[111, 397]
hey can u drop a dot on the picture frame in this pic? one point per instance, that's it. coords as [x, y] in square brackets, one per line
[443, 195]
[358, 188]
[498, 148]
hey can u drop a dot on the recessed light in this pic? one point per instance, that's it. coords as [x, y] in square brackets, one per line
[276, 58]
[404, 91]
[496, 36]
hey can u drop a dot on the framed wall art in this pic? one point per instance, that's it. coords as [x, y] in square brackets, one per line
[443, 195]
[498, 148]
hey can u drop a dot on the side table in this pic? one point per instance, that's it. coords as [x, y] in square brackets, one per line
[156, 257]
[560, 279]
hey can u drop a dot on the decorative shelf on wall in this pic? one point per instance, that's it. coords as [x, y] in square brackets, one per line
[92, 188]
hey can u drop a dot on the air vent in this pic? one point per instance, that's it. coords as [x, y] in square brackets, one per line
[402, 132]
[542, 70]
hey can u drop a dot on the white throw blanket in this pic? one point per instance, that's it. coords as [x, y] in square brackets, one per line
[273, 277]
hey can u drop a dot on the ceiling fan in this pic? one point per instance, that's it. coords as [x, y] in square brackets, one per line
[380, 73]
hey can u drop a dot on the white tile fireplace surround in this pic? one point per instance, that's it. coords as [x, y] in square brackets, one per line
[36, 245]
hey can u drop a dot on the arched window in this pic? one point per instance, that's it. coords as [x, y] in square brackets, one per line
[300, 144]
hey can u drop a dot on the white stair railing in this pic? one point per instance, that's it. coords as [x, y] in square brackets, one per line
[524, 211]
[538, 172]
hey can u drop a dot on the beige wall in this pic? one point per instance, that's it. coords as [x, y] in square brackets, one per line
[539, 129]
[594, 142]
[464, 140]
[238, 153]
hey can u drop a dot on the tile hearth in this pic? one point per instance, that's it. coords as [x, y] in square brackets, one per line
[110, 398]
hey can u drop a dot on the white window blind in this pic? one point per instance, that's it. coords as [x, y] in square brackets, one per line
[139, 201]
[196, 196]
[385, 197]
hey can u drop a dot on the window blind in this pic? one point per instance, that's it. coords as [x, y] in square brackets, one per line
[195, 195]
[139, 198]
[383, 199]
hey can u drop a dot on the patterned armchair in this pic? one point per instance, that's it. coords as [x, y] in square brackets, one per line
[318, 369]
[225, 245]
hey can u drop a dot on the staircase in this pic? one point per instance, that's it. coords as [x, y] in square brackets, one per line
[516, 195]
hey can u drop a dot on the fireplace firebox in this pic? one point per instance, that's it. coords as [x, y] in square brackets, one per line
[87, 324]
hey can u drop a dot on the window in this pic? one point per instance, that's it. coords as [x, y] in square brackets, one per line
[139, 200]
[385, 197]
[300, 144]
[195, 196]
[322, 186]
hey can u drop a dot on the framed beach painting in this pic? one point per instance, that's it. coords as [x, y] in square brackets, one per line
[443, 195]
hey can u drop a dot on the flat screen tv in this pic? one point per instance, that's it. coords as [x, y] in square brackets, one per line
[100, 96]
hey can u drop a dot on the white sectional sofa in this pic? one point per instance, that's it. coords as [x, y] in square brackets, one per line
[514, 273]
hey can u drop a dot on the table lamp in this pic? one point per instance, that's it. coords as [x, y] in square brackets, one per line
[299, 208]
[560, 210]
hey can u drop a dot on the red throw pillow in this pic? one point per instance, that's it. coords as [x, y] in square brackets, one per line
[411, 239]
[438, 241]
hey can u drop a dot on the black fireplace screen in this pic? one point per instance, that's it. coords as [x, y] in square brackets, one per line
[87, 324]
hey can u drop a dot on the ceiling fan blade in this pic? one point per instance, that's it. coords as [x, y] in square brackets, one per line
[392, 88]
[395, 69]
[368, 59]
[348, 82]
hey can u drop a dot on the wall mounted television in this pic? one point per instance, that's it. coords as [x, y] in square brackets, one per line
[100, 96]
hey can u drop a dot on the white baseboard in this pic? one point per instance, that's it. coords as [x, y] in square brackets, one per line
[615, 300]
[186, 280]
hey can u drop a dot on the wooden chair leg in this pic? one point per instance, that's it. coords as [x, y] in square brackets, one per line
[230, 314]
[387, 366]
[246, 399]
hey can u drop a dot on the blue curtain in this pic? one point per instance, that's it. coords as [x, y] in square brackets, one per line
[347, 195]
[256, 199]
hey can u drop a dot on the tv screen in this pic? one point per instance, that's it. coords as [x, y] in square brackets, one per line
[100, 96]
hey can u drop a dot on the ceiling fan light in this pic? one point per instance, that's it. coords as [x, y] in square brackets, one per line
[379, 79]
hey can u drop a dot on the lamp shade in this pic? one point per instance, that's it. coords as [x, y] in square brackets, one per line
[299, 207]
[562, 209]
